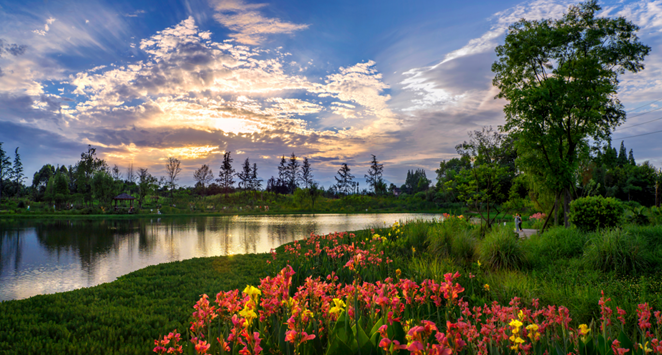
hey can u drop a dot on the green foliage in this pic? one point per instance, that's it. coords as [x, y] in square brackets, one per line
[556, 243]
[618, 250]
[501, 249]
[594, 212]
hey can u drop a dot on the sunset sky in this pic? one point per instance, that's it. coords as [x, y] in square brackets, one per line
[334, 81]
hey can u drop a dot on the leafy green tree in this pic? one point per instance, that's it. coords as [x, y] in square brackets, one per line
[146, 185]
[446, 176]
[88, 165]
[560, 78]
[480, 187]
[57, 190]
[104, 187]
[5, 169]
[344, 180]
[622, 159]
[227, 172]
[314, 192]
[40, 181]
[374, 176]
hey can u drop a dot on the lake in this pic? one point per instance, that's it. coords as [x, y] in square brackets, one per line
[48, 256]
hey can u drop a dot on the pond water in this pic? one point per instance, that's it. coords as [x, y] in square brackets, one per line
[48, 256]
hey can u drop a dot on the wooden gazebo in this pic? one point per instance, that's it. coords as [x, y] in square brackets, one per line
[123, 197]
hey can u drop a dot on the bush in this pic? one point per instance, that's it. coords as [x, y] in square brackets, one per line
[501, 249]
[463, 246]
[618, 250]
[595, 212]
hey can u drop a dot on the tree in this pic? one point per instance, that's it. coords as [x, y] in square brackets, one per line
[282, 169]
[203, 176]
[622, 159]
[88, 165]
[103, 187]
[5, 169]
[292, 172]
[560, 78]
[226, 173]
[146, 184]
[306, 173]
[115, 173]
[245, 175]
[130, 174]
[57, 189]
[255, 182]
[631, 160]
[314, 192]
[173, 169]
[344, 180]
[17, 173]
[374, 175]
[40, 181]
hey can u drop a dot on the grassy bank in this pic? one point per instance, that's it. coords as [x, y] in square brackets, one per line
[123, 316]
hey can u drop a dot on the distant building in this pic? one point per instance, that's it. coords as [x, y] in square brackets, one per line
[396, 192]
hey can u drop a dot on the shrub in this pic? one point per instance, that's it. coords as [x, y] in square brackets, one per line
[618, 250]
[594, 212]
[463, 245]
[501, 249]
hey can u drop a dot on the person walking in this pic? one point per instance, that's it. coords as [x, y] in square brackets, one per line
[517, 223]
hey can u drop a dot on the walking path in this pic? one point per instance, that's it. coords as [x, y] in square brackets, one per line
[525, 233]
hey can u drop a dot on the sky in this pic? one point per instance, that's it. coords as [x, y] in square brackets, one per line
[334, 81]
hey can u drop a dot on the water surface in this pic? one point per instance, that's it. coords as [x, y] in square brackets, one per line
[47, 256]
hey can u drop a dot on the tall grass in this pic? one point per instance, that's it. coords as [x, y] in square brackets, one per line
[501, 249]
[618, 250]
[554, 244]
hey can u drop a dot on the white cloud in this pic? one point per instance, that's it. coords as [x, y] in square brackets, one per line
[250, 26]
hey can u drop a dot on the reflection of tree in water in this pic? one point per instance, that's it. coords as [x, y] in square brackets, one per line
[250, 232]
[11, 248]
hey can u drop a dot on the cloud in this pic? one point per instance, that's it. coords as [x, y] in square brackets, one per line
[250, 26]
[135, 13]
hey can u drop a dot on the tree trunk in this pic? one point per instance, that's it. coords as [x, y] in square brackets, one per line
[556, 209]
[566, 208]
[549, 216]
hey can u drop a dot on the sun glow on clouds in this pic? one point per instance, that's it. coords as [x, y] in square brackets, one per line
[227, 93]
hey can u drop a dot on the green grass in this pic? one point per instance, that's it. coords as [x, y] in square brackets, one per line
[126, 315]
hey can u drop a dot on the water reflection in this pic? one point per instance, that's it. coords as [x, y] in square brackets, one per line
[46, 256]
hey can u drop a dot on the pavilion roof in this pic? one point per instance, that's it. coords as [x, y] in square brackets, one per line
[124, 196]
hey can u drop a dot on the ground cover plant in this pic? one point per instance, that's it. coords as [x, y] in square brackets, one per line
[348, 296]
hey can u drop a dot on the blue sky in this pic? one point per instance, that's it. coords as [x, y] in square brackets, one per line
[334, 81]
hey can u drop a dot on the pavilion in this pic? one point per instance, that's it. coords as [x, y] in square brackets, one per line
[124, 197]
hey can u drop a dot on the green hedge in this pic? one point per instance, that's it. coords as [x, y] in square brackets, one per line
[595, 212]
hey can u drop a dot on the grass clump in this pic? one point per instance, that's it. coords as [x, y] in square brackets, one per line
[501, 249]
[618, 250]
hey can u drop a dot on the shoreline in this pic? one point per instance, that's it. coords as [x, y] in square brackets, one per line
[203, 214]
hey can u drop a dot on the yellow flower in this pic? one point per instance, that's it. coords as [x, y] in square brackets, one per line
[583, 329]
[479, 264]
[398, 272]
[515, 324]
[645, 348]
[338, 308]
[413, 250]
[520, 315]
[252, 291]
[517, 341]
[487, 287]
[249, 314]
[533, 332]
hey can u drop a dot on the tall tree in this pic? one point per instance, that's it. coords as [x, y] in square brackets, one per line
[88, 165]
[115, 173]
[130, 174]
[344, 180]
[314, 192]
[293, 172]
[245, 175]
[631, 160]
[173, 169]
[203, 176]
[40, 181]
[103, 187]
[622, 159]
[17, 173]
[5, 169]
[306, 173]
[256, 182]
[560, 78]
[146, 184]
[226, 173]
[282, 169]
[374, 175]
